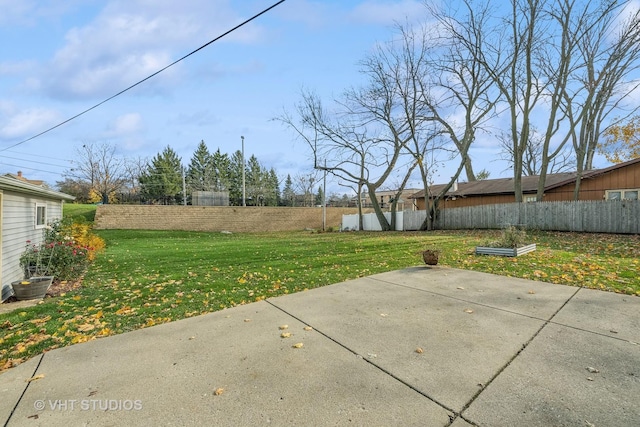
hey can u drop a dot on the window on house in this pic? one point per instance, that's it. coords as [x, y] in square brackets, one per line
[530, 199]
[41, 215]
[631, 194]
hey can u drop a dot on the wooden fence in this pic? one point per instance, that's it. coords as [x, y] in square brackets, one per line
[621, 217]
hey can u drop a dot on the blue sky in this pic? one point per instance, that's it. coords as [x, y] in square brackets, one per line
[60, 58]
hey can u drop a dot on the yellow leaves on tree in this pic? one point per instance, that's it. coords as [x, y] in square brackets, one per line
[83, 236]
[622, 141]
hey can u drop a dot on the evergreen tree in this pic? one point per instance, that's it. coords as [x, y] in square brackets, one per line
[200, 173]
[255, 183]
[235, 179]
[320, 196]
[273, 188]
[288, 194]
[162, 179]
[221, 166]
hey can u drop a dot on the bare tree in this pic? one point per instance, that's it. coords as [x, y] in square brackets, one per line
[561, 161]
[97, 164]
[343, 141]
[453, 97]
[611, 53]
[131, 172]
[304, 185]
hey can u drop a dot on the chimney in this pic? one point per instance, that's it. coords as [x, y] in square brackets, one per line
[19, 174]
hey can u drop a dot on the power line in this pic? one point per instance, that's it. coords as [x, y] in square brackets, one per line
[148, 77]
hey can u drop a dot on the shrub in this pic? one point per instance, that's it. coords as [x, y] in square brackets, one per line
[511, 237]
[66, 252]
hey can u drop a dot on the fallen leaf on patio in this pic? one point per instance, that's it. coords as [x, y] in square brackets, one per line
[419, 350]
[192, 338]
[297, 345]
[37, 377]
[460, 287]
[589, 379]
[532, 292]
[308, 328]
[218, 391]
[383, 314]
[592, 370]
[468, 310]
[285, 334]
[247, 320]
[282, 327]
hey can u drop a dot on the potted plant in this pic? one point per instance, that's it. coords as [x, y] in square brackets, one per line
[35, 262]
[512, 243]
[32, 288]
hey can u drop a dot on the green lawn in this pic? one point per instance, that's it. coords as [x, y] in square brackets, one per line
[82, 212]
[146, 278]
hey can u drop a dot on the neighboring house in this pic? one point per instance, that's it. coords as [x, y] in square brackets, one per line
[385, 198]
[618, 182]
[25, 210]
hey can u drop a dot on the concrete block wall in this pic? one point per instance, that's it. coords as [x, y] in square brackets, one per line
[207, 218]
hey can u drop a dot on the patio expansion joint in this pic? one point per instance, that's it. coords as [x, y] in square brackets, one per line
[549, 320]
[522, 348]
[479, 304]
[24, 391]
[452, 413]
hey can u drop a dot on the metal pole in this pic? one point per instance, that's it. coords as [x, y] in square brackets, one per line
[324, 198]
[244, 194]
[184, 187]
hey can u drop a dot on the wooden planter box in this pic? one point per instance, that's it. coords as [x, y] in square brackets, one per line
[485, 250]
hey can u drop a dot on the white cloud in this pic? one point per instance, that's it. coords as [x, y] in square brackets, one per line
[27, 12]
[15, 67]
[27, 122]
[131, 39]
[126, 124]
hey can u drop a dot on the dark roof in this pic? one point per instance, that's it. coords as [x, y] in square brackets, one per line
[529, 183]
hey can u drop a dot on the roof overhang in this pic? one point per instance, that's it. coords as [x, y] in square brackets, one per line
[12, 184]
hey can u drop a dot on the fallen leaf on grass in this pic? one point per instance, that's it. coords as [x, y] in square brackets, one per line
[86, 327]
[37, 377]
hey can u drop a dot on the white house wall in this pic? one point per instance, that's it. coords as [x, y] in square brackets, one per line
[18, 227]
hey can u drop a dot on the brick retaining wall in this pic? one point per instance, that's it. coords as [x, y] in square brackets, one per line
[207, 218]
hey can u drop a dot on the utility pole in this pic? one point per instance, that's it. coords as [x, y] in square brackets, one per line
[184, 187]
[244, 193]
[324, 198]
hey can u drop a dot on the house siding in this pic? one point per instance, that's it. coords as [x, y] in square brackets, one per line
[594, 188]
[18, 227]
